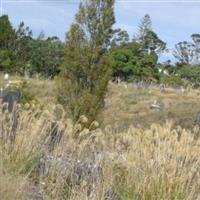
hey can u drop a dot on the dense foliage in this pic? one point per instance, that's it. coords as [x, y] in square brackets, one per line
[46, 56]
[131, 63]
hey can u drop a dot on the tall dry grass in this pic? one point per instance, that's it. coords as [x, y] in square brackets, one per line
[160, 163]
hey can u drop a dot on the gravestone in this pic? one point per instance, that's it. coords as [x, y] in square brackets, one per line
[11, 98]
[197, 120]
[157, 105]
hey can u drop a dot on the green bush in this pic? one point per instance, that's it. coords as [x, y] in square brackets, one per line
[190, 73]
[172, 80]
[26, 95]
[121, 184]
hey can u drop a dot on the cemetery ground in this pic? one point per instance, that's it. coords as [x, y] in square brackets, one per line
[139, 152]
[126, 106]
[131, 106]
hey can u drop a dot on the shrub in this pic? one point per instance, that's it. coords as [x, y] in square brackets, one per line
[190, 73]
[172, 80]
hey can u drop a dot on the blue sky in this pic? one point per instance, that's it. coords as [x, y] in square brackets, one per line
[173, 20]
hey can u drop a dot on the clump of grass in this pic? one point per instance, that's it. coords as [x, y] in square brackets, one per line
[159, 163]
[12, 187]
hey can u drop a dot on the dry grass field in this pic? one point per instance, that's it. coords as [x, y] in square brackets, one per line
[136, 154]
[131, 106]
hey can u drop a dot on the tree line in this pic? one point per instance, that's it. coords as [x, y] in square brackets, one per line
[131, 59]
[20, 53]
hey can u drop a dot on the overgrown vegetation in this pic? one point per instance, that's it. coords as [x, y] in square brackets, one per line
[77, 135]
[157, 163]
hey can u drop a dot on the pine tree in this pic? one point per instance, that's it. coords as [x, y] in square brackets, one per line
[86, 70]
[148, 39]
[145, 27]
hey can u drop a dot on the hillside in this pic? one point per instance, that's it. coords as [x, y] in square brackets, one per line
[131, 106]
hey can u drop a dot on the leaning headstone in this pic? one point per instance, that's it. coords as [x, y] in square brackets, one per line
[118, 80]
[157, 105]
[1, 93]
[27, 75]
[125, 86]
[182, 90]
[162, 87]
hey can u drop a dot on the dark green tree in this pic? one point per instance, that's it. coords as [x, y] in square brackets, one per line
[131, 62]
[46, 56]
[122, 63]
[7, 47]
[7, 33]
[189, 73]
[86, 70]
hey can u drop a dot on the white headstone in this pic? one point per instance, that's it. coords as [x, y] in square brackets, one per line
[6, 76]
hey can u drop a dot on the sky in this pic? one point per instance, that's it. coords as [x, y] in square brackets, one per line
[172, 20]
